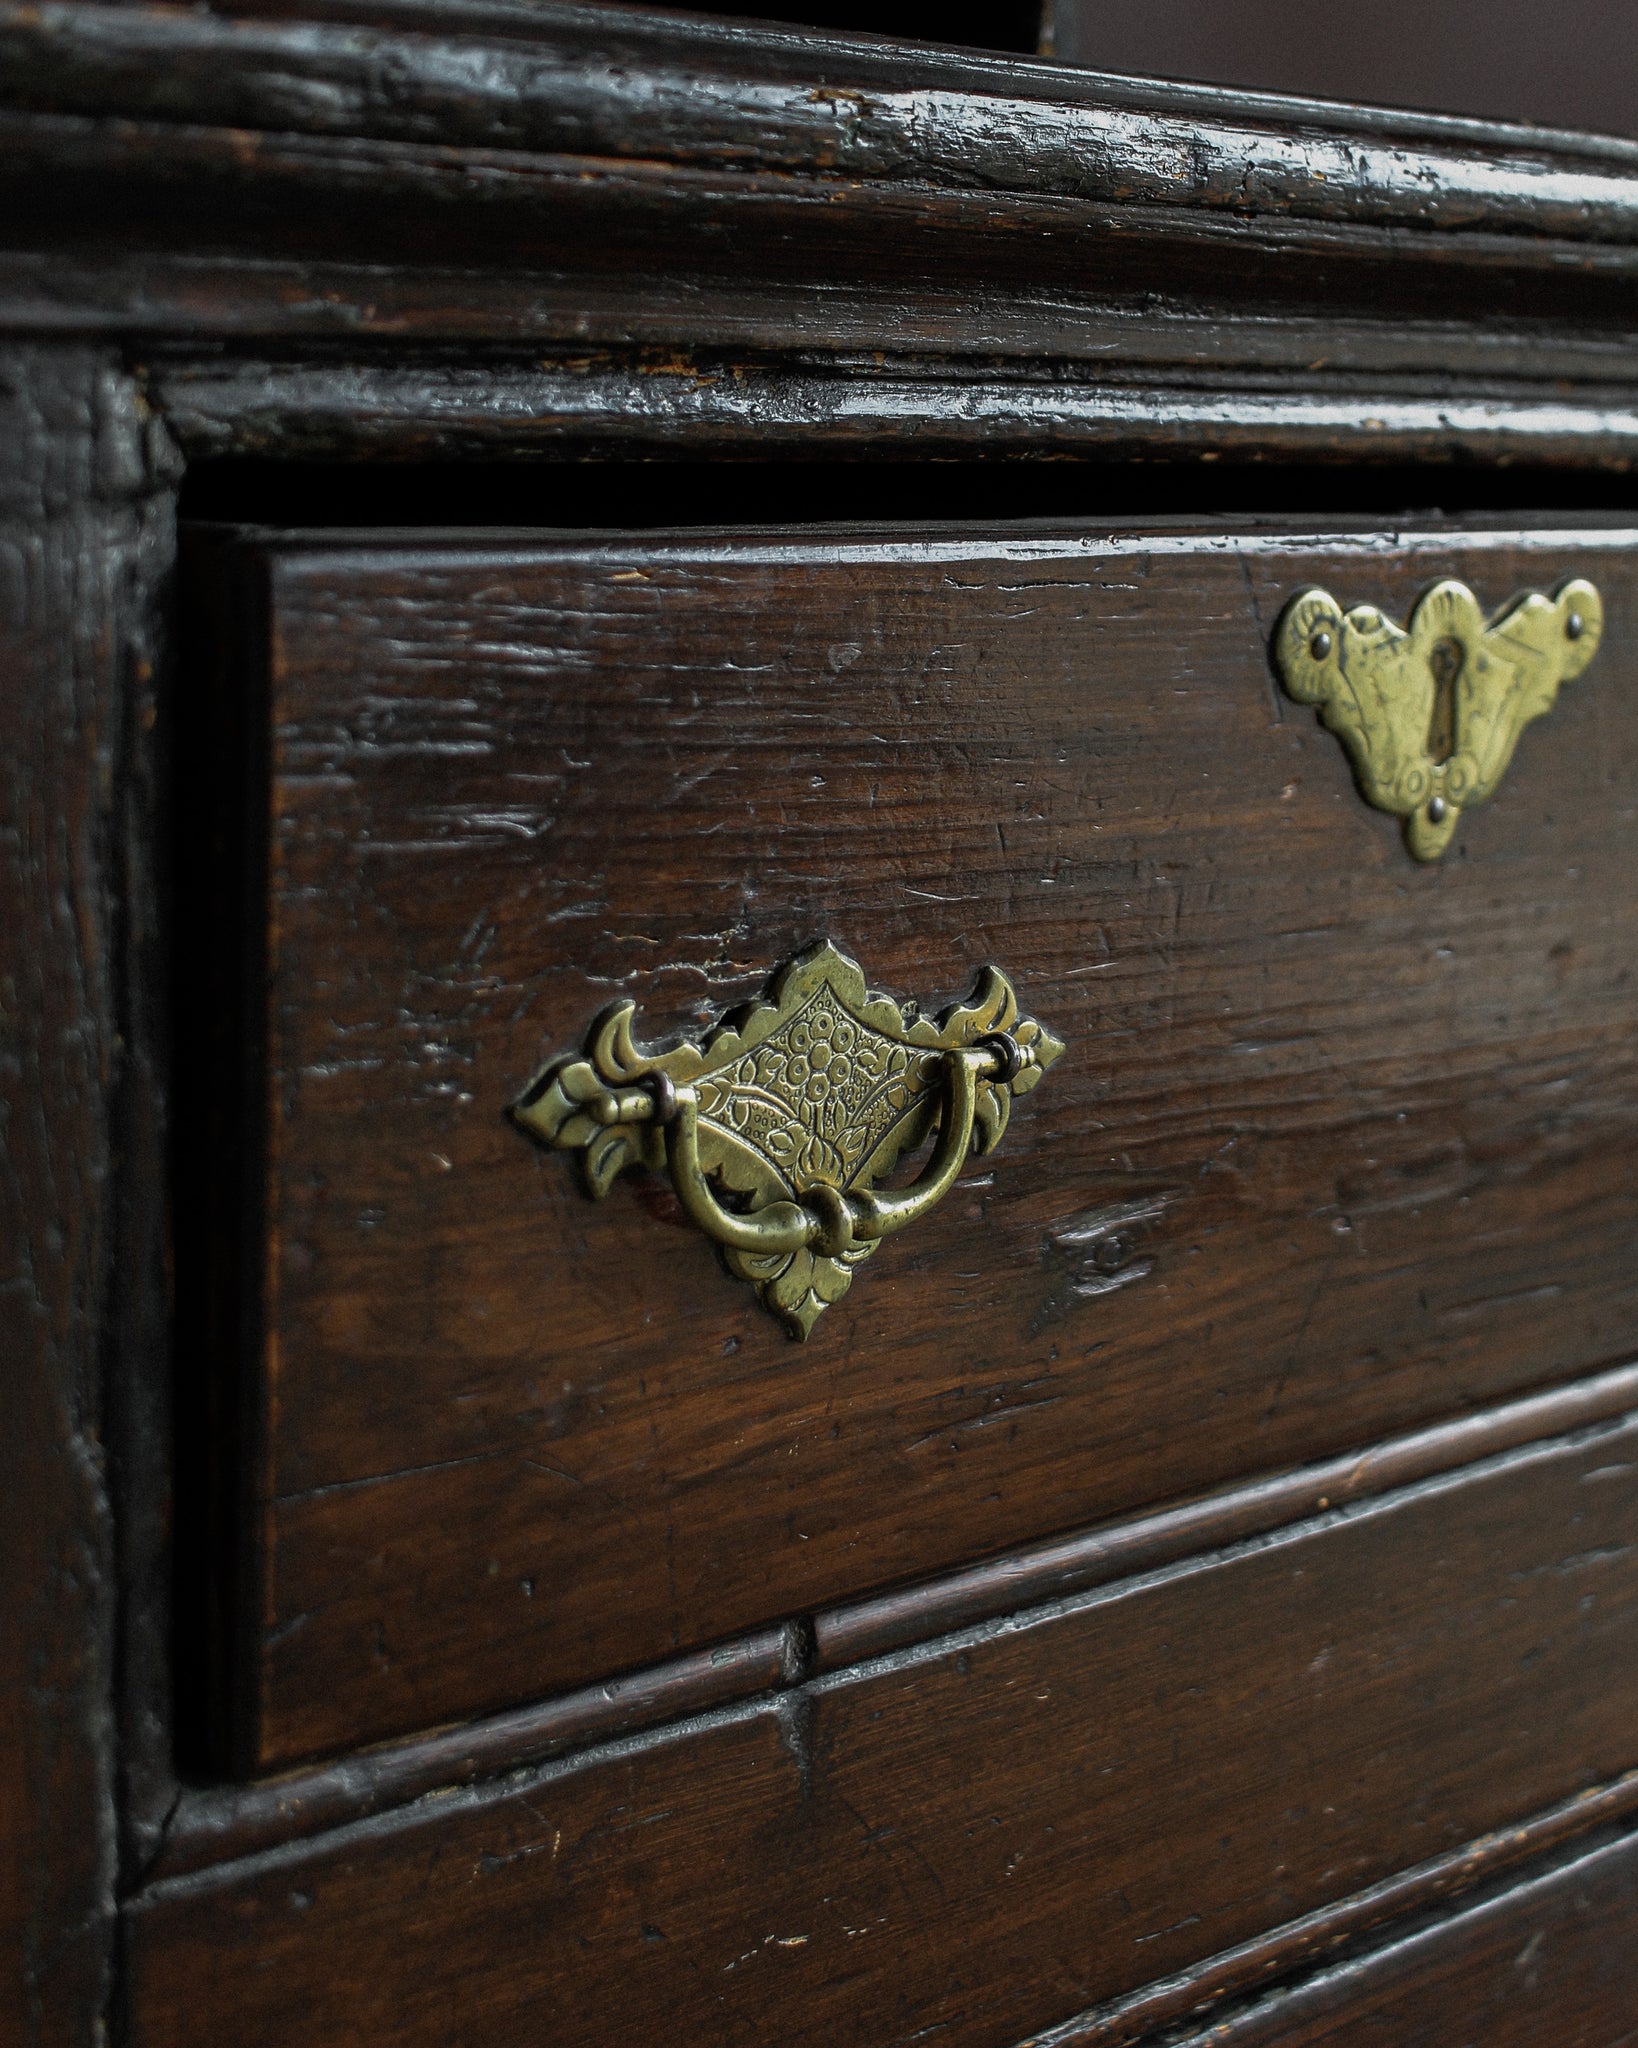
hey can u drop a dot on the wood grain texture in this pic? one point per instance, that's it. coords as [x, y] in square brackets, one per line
[730, 237]
[1549, 1960]
[206, 188]
[82, 549]
[1379, 1117]
[619, 83]
[366, 229]
[1300, 1949]
[522, 174]
[215, 1823]
[171, 295]
[362, 411]
[984, 1836]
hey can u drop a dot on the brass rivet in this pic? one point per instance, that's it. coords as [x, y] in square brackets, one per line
[1436, 810]
[1320, 646]
[1574, 626]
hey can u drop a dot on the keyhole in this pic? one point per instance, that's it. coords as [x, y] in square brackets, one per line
[1445, 659]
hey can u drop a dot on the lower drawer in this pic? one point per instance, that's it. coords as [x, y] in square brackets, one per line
[1552, 1961]
[982, 1836]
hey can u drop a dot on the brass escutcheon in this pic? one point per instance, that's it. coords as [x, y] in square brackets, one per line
[1430, 712]
[776, 1127]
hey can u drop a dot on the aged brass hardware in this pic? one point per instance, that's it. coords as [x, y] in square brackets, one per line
[1430, 713]
[777, 1126]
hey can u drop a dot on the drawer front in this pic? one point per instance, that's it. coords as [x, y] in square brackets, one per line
[1341, 1141]
[1549, 1960]
[988, 1835]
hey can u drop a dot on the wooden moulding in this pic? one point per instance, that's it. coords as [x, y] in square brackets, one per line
[524, 216]
[521, 216]
[1548, 1959]
[741, 238]
[219, 1824]
[625, 84]
[1307, 1944]
[600, 333]
[269, 171]
[363, 410]
[985, 1834]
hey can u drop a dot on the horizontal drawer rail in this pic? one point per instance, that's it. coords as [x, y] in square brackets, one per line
[222, 1823]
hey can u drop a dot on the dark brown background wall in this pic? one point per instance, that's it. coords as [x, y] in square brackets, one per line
[1571, 65]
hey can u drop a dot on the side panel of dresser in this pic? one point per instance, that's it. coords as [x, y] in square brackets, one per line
[85, 542]
[983, 1836]
[1340, 1143]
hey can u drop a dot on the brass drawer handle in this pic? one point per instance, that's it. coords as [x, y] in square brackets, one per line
[795, 1107]
[1430, 712]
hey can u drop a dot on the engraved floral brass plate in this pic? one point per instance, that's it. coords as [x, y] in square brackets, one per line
[777, 1127]
[1430, 713]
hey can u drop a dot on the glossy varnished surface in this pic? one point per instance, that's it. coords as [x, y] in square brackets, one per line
[471, 228]
[728, 233]
[983, 1837]
[1340, 1144]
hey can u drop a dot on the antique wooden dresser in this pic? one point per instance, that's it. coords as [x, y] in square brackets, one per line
[819, 1011]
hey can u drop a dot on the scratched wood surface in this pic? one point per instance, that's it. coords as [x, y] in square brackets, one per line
[384, 227]
[1550, 1959]
[984, 1836]
[84, 544]
[1340, 1143]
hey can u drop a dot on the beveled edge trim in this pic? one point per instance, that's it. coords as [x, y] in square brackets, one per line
[842, 106]
[366, 410]
[1583, 1862]
[1048, 1571]
[774, 50]
[1299, 1943]
[220, 1824]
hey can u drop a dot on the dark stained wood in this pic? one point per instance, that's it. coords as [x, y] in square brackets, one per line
[168, 296]
[985, 1836]
[388, 231]
[198, 190]
[611, 82]
[367, 411]
[213, 1824]
[523, 173]
[979, 24]
[217, 1823]
[1411, 1899]
[81, 553]
[715, 230]
[1552, 1960]
[1381, 1117]
[865, 1628]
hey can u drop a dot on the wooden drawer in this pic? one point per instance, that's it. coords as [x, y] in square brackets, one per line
[994, 1832]
[1341, 1142]
[1550, 1959]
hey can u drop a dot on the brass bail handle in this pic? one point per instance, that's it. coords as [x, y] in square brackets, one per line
[825, 1218]
[776, 1127]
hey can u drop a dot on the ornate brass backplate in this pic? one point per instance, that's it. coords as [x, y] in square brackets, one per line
[777, 1126]
[1430, 713]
